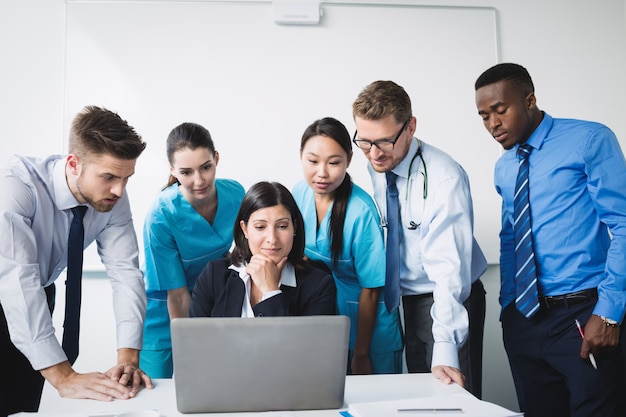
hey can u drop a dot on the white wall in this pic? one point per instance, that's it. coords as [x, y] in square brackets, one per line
[574, 49]
[256, 85]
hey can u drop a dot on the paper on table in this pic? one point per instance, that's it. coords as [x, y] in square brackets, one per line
[120, 414]
[451, 405]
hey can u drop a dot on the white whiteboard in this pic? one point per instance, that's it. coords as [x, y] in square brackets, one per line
[256, 85]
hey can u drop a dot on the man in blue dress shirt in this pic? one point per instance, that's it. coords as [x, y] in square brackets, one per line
[576, 187]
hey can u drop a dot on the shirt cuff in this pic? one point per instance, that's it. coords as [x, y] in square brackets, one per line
[445, 354]
[45, 353]
[129, 335]
[270, 294]
[610, 312]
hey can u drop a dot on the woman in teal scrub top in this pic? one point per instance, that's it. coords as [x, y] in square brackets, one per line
[342, 229]
[189, 224]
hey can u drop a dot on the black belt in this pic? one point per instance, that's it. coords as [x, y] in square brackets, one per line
[570, 299]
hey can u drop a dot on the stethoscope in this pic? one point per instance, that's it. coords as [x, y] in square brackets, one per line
[412, 225]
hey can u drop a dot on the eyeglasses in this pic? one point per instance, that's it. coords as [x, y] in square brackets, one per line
[385, 145]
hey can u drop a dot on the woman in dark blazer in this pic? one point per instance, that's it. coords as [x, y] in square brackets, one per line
[266, 275]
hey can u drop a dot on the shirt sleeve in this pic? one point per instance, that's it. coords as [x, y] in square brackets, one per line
[119, 252]
[447, 252]
[164, 269]
[606, 182]
[21, 292]
[368, 240]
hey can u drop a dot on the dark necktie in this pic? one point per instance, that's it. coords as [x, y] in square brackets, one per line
[392, 279]
[75, 243]
[526, 289]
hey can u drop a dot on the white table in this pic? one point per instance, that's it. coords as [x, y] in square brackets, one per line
[162, 397]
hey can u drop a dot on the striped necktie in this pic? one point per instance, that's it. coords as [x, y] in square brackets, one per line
[526, 288]
[75, 246]
[392, 281]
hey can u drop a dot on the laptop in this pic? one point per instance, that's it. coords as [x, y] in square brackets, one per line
[259, 364]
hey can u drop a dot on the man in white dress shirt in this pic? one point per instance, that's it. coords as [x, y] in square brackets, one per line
[440, 261]
[35, 216]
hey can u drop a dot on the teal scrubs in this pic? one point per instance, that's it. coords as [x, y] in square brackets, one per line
[360, 265]
[178, 243]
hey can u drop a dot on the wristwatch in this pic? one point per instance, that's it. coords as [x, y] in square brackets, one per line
[609, 322]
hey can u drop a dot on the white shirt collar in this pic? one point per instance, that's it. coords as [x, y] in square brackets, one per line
[287, 277]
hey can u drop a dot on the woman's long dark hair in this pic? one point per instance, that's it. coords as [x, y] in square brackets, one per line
[187, 135]
[335, 130]
[262, 195]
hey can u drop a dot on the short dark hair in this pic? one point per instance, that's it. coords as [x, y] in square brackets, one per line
[515, 73]
[187, 135]
[335, 130]
[97, 131]
[262, 195]
[381, 99]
